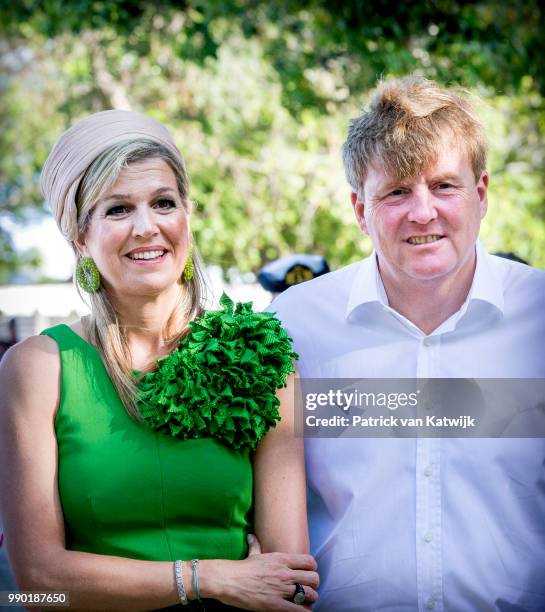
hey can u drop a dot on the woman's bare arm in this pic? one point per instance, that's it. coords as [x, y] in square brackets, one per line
[32, 514]
[280, 486]
[34, 525]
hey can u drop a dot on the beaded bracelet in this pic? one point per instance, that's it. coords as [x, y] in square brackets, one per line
[179, 577]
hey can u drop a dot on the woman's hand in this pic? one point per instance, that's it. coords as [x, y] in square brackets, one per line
[262, 581]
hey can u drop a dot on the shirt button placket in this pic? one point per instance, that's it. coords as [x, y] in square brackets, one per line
[428, 495]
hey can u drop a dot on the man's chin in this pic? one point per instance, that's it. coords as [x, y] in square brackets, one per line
[431, 273]
[429, 266]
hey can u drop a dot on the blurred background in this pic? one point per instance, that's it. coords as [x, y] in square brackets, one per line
[258, 95]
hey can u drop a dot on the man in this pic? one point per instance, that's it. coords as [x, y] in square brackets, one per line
[423, 523]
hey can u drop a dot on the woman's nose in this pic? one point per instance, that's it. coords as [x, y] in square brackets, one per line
[144, 222]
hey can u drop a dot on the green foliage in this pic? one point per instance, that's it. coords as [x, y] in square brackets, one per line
[259, 95]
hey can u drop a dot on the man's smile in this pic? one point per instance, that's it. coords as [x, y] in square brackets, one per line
[417, 240]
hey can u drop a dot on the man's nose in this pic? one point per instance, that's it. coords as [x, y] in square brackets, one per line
[144, 222]
[422, 209]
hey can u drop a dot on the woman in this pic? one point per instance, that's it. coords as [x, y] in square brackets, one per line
[102, 502]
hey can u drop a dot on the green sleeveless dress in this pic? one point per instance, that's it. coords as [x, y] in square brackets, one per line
[128, 491]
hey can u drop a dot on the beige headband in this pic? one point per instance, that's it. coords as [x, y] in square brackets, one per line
[79, 146]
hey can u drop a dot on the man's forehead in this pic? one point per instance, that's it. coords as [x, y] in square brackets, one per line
[444, 161]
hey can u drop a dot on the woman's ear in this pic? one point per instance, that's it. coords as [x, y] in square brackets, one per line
[79, 243]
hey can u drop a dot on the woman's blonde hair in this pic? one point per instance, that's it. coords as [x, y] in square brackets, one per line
[105, 331]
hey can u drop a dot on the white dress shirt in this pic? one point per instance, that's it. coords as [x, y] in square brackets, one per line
[424, 523]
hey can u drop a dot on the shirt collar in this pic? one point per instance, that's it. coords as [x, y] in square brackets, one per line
[487, 286]
[367, 286]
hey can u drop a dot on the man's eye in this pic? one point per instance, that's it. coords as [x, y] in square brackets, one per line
[117, 210]
[396, 192]
[444, 186]
[165, 203]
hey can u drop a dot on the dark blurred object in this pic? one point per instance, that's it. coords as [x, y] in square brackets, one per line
[5, 344]
[278, 275]
[511, 256]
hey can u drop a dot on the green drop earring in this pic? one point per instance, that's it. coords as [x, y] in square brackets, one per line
[87, 275]
[187, 274]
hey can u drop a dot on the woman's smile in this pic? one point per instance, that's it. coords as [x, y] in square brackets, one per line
[147, 256]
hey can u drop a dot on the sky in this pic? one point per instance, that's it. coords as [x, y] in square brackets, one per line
[45, 237]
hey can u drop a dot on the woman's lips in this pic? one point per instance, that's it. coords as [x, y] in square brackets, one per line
[148, 257]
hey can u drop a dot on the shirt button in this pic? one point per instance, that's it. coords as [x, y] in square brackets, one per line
[428, 471]
[430, 604]
[428, 341]
[428, 537]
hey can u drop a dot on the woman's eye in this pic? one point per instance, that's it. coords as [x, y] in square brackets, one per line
[165, 203]
[116, 211]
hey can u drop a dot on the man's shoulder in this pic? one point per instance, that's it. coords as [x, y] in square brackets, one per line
[332, 285]
[517, 276]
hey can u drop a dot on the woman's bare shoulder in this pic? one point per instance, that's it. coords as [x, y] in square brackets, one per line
[38, 350]
[30, 375]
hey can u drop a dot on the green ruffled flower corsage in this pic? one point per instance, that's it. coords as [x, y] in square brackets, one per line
[221, 381]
